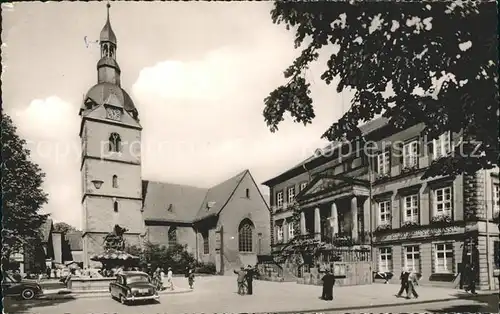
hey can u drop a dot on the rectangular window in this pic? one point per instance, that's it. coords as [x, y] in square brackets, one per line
[383, 163]
[291, 230]
[410, 154]
[384, 210]
[496, 254]
[303, 185]
[206, 243]
[411, 208]
[385, 259]
[291, 194]
[442, 145]
[496, 198]
[279, 199]
[443, 258]
[442, 202]
[412, 257]
[279, 233]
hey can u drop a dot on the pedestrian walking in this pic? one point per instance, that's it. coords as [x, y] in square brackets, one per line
[249, 276]
[190, 276]
[412, 282]
[328, 283]
[157, 279]
[241, 280]
[404, 283]
[472, 280]
[162, 279]
[170, 279]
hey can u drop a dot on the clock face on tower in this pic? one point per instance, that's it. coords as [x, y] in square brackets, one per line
[114, 113]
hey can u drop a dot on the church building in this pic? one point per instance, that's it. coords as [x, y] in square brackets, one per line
[227, 224]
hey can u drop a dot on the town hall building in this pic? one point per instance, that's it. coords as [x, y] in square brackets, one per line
[227, 224]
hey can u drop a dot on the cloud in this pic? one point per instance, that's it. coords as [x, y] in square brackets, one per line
[203, 118]
[50, 126]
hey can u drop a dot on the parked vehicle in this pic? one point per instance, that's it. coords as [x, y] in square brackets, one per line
[24, 289]
[133, 286]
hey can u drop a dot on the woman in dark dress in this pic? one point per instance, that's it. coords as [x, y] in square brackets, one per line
[328, 283]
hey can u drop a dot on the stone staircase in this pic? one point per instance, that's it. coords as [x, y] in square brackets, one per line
[270, 270]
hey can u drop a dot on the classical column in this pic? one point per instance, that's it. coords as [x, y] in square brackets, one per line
[334, 219]
[302, 223]
[317, 224]
[354, 218]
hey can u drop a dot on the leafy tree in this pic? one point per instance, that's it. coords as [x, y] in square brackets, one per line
[22, 194]
[156, 255]
[64, 227]
[413, 62]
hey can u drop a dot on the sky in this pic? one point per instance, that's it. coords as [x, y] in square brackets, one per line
[198, 73]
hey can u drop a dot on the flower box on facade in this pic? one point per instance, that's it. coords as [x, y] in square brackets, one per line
[408, 225]
[409, 169]
[382, 177]
[383, 228]
[441, 219]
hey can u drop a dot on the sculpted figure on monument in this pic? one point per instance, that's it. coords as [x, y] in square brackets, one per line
[114, 239]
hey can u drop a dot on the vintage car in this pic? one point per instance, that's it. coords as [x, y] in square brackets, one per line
[24, 289]
[133, 286]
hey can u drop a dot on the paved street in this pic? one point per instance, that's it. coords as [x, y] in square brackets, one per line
[481, 304]
[217, 294]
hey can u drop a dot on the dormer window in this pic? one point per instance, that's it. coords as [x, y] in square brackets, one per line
[89, 103]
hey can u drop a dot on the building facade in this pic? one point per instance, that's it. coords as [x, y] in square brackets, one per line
[425, 225]
[227, 224]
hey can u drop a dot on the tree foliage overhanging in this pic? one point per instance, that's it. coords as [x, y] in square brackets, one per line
[64, 227]
[22, 193]
[406, 47]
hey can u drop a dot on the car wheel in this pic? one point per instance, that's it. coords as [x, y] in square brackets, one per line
[122, 299]
[28, 294]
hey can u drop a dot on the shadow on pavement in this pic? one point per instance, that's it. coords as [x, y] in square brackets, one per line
[12, 305]
[487, 303]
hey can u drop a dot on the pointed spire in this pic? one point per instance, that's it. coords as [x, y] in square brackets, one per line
[107, 34]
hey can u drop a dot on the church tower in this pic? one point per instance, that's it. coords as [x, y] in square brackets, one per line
[110, 135]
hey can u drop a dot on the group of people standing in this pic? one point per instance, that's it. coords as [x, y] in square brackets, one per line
[245, 279]
[166, 281]
[159, 279]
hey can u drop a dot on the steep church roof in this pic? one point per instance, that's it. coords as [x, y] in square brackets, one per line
[46, 230]
[171, 202]
[183, 203]
[218, 196]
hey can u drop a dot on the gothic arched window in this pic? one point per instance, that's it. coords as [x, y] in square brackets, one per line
[115, 142]
[115, 206]
[172, 236]
[115, 181]
[245, 236]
